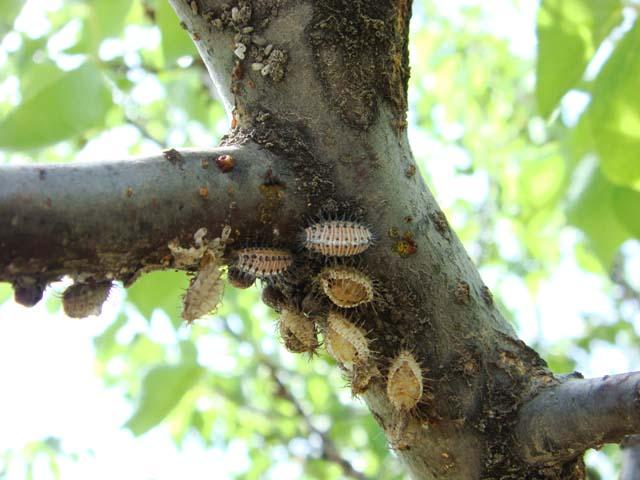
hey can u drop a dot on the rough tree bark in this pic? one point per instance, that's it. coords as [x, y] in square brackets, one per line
[318, 130]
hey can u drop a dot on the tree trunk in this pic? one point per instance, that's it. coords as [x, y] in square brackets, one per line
[317, 91]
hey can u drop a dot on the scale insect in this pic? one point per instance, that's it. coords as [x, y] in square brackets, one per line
[337, 238]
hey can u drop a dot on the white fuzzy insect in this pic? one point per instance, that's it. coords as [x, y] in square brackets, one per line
[206, 288]
[336, 238]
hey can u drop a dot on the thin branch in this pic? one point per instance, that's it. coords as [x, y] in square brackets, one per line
[565, 420]
[329, 450]
[114, 219]
[630, 458]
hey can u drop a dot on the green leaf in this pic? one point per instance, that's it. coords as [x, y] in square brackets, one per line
[158, 290]
[70, 104]
[176, 42]
[591, 212]
[9, 10]
[105, 18]
[614, 113]
[569, 33]
[6, 292]
[162, 388]
[626, 205]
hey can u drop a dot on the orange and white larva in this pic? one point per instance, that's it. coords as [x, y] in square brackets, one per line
[404, 382]
[346, 287]
[83, 299]
[336, 238]
[298, 332]
[264, 263]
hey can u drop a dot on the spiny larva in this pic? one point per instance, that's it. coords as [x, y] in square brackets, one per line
[405, 389]
[404, 382]
[346, 287]
[349, 345]
[206, 288]
[83, 299]
[264, 263]
[298, 332]
[337, 238]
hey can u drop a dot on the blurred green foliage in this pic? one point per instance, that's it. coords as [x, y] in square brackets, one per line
[542, 156]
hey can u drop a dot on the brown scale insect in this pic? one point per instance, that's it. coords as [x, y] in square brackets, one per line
[264, 263]
[346, 287]
[337, 238]
[83, 299]
[298, 332]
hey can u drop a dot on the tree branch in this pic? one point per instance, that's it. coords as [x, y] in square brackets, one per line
[565, 420]
[630, 458]
[113, 219]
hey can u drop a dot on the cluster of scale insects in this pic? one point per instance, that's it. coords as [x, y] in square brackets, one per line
[346, 287]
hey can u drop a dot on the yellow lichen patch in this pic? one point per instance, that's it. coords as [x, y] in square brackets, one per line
[346, 287]
[298, 332]
[404, 382]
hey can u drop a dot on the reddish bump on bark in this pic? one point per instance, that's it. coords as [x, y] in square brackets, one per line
[204, 192]
[225, 163]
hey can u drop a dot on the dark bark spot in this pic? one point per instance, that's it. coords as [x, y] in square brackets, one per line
[362, 56]
[461, 293]
[174, 157]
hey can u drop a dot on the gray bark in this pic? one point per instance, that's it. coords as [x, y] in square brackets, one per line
[325, 139]
[569, 418]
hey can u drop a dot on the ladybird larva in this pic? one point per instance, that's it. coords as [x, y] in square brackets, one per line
[298, 332]
[349, 345]
[404, 382]
[84, 299]
[205, 289]
[345, 342]
[346, 287]
[336, 238]
[264, 263]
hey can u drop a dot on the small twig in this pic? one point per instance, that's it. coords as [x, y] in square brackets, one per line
[329, 450]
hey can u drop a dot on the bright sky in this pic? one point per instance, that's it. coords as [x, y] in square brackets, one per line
[49, 387]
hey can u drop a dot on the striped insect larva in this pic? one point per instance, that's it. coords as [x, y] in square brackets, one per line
[83, 299]
[298, 332]
[404, 382]
[264, 263]
[335, 238]
[346, 287]
[205, 289]
[349, 345]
